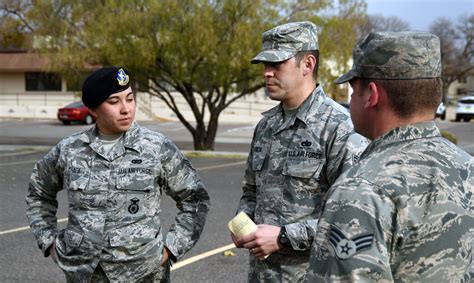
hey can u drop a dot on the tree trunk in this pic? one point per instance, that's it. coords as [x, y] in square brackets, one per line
[199, 135]
[198, 139]
[212, 130]
[204, 139]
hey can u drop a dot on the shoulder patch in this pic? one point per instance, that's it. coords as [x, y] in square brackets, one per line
[345, 248]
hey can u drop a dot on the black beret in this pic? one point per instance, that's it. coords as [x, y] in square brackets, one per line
[103, 82]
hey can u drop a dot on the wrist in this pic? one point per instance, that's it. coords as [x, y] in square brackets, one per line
[283, 239]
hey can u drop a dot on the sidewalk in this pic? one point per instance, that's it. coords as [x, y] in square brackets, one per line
[47, 132]
[247, 109]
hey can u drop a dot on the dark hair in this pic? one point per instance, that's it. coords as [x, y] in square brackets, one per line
[410, 96]
[302, 54]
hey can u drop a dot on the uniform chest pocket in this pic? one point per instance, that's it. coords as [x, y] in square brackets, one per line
[77, 180]
[76, 184]
[139, 179]
[303, 168]
[137, 192]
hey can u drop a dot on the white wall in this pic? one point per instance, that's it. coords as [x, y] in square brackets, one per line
[468, 85]
[246, 109]
[12, 82]
[16, 102]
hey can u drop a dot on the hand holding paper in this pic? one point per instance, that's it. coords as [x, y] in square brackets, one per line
[241, 225]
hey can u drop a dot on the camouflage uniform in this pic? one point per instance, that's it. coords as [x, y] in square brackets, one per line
[114, 204]
[291, 165]
[405, 211]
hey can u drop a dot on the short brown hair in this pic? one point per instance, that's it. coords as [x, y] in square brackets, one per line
[408, 97]
[302, 54]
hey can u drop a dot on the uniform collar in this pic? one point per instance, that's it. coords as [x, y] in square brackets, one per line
[427, 129]
[302, 114]
[130, 140]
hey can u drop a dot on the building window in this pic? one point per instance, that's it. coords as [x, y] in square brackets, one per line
[39, 81]
[461, 91]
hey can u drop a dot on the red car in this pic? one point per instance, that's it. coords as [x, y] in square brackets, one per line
[75, 112]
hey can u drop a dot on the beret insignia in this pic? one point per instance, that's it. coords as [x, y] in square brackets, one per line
[122, 78]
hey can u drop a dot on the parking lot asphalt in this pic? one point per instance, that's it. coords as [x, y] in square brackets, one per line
[22, 143]
[22, 261]
[230, 137]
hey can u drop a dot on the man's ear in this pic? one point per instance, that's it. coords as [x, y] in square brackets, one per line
[374, 95]
[309, 64]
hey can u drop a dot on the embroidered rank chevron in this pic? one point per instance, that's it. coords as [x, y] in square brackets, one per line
[346, 248]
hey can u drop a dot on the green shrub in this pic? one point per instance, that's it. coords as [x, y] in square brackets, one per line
[449, 136]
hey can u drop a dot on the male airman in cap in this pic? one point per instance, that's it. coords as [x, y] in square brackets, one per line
[298, 150]
[404, 212]
[114, 175]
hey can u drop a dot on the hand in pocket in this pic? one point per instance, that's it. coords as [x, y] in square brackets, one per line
[52, 252]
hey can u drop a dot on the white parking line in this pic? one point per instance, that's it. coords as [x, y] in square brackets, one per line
[65, 219]
[180, 263]
[176, 129]
[25, 228]
[201, 256]
[19, 162]
[18, 153]
[244, 128]
[221, 166]
[203, 168]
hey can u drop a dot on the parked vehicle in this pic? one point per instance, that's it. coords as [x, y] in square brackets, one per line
[465, 108]
[441, 111]
[75, 112]
[346, 105]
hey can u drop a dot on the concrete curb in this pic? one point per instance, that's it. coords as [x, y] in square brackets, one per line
[12, 147]
[192, 153]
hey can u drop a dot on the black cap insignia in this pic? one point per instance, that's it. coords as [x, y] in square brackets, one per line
[122, 78]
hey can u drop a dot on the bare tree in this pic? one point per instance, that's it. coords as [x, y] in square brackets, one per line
[14, 29]
[457, 48]
[381, 23]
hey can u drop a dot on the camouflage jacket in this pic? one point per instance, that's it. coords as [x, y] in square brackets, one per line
[114, 203]
[403, 213]
[290, 167]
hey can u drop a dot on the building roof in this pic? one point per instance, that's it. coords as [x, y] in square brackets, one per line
[21, 62]
[26, 62]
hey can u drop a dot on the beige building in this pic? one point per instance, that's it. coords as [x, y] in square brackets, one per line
[462, 87]
[28, 90]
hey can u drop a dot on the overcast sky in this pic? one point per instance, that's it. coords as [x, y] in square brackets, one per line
[421, 13]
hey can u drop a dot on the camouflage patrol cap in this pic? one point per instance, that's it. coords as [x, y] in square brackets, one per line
[285, 41]
[395, 56]
[103, 82]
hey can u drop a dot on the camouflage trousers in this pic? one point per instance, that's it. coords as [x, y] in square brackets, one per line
[162, 275]
[279, 267]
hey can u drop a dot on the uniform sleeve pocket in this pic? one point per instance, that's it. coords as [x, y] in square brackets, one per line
[257, 164]
[259, 153]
